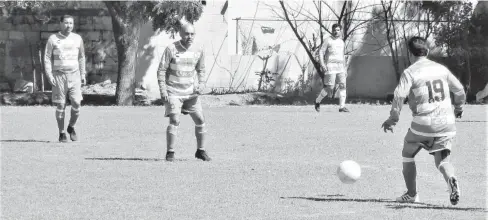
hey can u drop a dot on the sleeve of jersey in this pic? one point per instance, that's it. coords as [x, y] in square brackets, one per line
[81, 58]
[322, 51]
[401, 92]
[162, 69]
[200, 68]
[47, 59]
[457, 89]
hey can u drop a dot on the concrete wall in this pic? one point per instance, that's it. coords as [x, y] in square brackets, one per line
[211, 31]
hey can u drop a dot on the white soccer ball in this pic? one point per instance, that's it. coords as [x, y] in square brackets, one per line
[349, 171]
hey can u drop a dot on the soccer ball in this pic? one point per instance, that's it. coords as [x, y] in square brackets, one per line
[349, 171]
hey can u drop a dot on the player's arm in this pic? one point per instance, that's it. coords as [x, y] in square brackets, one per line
[200, 68]
[459, 95]
[81, 59]
[48, 52]
[400, 94]
[322, 51]
[162, 69]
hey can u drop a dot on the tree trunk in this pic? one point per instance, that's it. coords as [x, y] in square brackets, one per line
[126, 34]
[263, 72]
[310, 53]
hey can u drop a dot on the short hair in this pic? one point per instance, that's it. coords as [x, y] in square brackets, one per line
[66, 16]
[336, 25]
[418, 46]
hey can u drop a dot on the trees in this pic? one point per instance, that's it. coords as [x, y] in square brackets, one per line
[351, 15]
[453, 35]
[127, 20]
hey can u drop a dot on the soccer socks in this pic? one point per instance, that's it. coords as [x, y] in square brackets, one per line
[410, 175]
[171, 133]
[322, 95]
[200, 135]
[446, 169]
[75, 113]
[60, 119]
[342, 97]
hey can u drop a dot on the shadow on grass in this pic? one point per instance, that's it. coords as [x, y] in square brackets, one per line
[123, 158]
[470, 121]
[395, 205]
[413, 206]
[24, 141]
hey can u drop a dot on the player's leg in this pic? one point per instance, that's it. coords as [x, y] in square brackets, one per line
[59, 93]
[194, 107]
[442, 150]
[410, 148]
[75, 96]
[60, 118]
[328, 85]
[173, 109]
[341, 84]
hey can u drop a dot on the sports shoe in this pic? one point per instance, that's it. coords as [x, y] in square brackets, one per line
[63, 138]
[407, 198]
[454, 191]
[72, 133]
[202, 155]
[170, 156]
[317, 106]
[343, 109]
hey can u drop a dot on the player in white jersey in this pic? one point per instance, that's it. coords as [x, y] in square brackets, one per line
[333, 62]
[180, 63]
[64, 63]
[427, 85]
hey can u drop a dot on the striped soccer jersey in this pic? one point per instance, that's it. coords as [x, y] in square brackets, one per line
[178, 68]
[65, 54]
[428, 85]
[333, 54]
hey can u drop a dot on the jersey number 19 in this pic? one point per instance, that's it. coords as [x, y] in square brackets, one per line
[436, 88]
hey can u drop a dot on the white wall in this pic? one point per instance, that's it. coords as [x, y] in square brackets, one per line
[210, 31]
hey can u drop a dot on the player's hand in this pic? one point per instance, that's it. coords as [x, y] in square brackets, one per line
[458, 113]
[52, 82]
[387, 126]
[199, 88]
[324, 69]
[164, 97]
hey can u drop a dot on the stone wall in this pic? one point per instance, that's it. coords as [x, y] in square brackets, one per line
[23, 35]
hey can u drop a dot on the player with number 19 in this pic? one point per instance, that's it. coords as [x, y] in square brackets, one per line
[428, 85]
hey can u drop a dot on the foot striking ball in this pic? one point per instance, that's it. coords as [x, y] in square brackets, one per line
[349, 171]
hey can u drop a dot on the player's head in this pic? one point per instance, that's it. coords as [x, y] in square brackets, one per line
[187, 34]
[336, 30]
[67, 23]
[417, 46]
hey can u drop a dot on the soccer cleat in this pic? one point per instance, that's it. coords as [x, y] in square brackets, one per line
[317, 106]
[170, 156]
[202, 155]
[63, 138]
[407, 198]
[72, 133]
[343, 109]
[454, 191]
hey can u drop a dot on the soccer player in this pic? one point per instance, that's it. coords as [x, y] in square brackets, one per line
[179, 64]
[428, 86]
[333, 62]
[64, 62]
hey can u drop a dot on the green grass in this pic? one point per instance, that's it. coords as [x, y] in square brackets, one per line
[269, 162]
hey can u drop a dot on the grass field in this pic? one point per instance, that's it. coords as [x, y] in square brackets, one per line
[269, 162]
